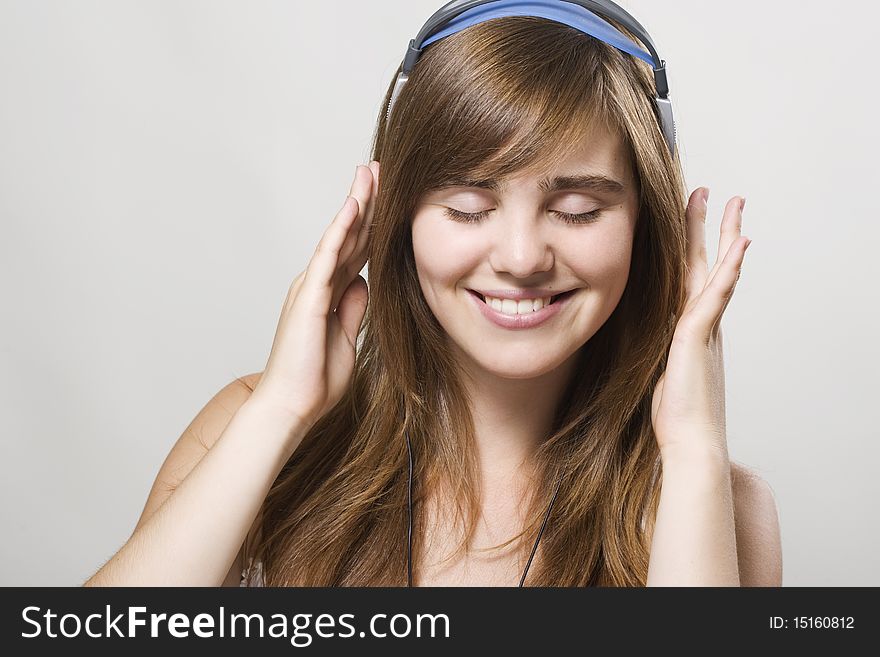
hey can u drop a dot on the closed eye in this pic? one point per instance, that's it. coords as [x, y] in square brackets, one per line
[567, 217]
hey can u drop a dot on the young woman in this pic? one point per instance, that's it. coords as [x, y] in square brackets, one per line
[538, 355]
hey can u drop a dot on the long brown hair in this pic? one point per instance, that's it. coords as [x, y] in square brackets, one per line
[504, 96]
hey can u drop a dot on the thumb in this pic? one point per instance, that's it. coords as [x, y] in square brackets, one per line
[351, 308]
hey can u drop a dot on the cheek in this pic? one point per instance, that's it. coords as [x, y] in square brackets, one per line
[444, 254]
[601, 258]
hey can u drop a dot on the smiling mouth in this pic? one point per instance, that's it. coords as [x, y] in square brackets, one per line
[553, 299]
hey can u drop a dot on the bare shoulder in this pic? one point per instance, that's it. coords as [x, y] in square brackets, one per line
[192, 445]
[758, 539]
[211, 420]
[224, 405]
[195, 441]
[250, 380]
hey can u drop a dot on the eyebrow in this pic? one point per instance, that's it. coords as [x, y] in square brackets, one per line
[586, 182]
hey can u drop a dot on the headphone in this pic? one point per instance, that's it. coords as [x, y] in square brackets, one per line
[588, 16]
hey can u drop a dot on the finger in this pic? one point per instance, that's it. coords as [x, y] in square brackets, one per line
[352, 257]
[356, 258]
[348, 266]
[352, 307]
[371, 206]
[731, 230]
[707, 314]
[696, 242]
[336, 243]
[360, 190]
[320, 274]
[717, 326]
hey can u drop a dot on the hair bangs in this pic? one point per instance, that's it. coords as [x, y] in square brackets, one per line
[498, 106]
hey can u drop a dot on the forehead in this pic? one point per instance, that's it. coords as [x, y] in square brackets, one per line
[597, 161]
[598, 151]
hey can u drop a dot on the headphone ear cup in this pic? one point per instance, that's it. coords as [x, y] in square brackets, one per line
[399, 83]
[667, 122]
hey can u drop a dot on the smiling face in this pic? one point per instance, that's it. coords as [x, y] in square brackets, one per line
[493, 258]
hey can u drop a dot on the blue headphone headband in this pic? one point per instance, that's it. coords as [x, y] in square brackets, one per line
[567, 13]
[588, 16]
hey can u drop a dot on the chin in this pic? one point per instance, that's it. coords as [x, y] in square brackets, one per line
[515, 364]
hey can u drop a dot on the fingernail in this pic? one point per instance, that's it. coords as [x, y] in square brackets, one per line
[742, 203]
[748, 244]
[705, 195]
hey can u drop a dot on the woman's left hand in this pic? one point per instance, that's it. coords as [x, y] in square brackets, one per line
[687, 408]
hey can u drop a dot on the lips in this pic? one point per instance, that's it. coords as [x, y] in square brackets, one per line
[520, 321]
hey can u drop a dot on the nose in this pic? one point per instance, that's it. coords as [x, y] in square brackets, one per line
[520, 248]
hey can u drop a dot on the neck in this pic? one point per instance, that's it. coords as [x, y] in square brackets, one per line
[512, 417]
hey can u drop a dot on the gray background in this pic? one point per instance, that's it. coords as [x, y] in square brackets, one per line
[166, 169]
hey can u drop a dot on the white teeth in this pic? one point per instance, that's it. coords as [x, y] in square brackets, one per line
[513, 307]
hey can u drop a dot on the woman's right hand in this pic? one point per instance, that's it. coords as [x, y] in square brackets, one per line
[313, 353]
